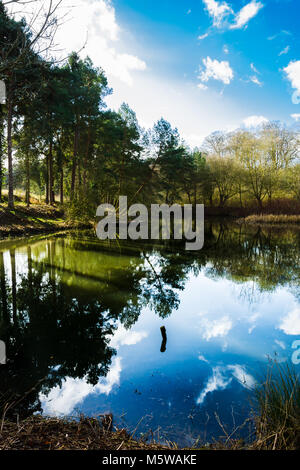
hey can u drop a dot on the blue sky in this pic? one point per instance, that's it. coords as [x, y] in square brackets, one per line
[204, 65]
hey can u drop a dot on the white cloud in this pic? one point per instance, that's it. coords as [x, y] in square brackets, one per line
[202, 86]
[291, 323]
[225, 49]
[245, 379]
[254, 69]
[105, 19]
[217, 10]
[194, 140]
[284, 51]
[63, 400]
[280, 344]
[202, 358]
[283, 32]
[221, 10]
[293, 74]
[296, 117]
[218, 381]
[93, 24]
[204, 112]
[123, 337]
[213, 69]
[255, 80]
[203, 36]
[246, 14]
[215, 328]
[254, 121]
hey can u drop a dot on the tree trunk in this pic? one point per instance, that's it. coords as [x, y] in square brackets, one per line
[260, 204]
[86, 158]
[9, 151]
[27, 197]
[195, 195]
[74, 166]
[62, 184]
[13, 284]
[73, 178]
[79, 176]
[47, 180]
[51, 192]
[4, 297]
[1, 150]
[241, 199]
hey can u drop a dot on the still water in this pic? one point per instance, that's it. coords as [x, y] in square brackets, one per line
[82, 324]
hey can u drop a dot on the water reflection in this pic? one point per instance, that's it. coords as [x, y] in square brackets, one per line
[82, 322]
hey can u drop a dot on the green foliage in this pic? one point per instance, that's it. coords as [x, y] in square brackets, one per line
[80, 209]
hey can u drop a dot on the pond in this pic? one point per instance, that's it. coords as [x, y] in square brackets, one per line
[82, 322]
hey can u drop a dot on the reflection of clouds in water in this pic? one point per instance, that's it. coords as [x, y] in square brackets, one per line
[73, 391]
[202, 358]
[123, 337]
[63, 400]
[222, 377]
[290, 324]
[245, 379]
[280, 343]
[218, 381]
[225, 319]
[252, 320]
[215, 328]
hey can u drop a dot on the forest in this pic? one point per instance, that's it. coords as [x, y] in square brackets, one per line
[61, 145]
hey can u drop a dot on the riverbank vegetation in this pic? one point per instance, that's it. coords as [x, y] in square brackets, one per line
[64, 146]
[38, 218]
[272, 219]
[38, 433]
[278, 400]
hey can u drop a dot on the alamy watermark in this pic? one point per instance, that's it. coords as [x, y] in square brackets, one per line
[161, 222]
[296, 353]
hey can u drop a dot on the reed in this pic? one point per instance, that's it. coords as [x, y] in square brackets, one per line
[272, 219]
[278, 409]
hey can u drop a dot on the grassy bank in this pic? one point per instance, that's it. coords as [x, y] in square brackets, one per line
[38, 433]
[38, 218]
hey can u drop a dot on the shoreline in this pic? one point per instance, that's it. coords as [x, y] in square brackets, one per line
[38, 219]
[53, 434]
[91, 434]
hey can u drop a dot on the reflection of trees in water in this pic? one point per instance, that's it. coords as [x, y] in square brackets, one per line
[54, 328]
[49, 337]
[269, 257]
[57, 320]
